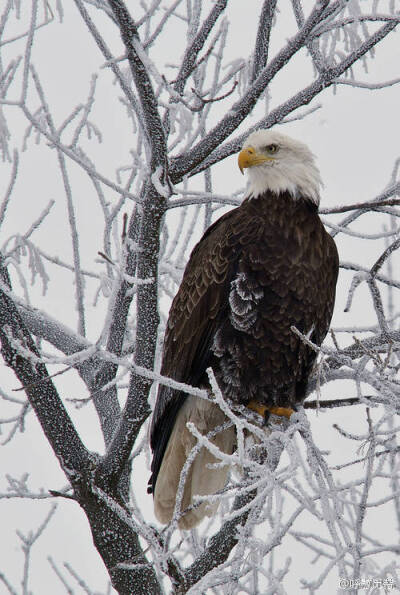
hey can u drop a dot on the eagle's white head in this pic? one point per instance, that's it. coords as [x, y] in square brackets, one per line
[279, 163]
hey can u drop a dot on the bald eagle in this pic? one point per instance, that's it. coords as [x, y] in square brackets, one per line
[259, 270]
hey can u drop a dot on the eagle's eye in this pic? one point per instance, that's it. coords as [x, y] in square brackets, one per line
[272, 149]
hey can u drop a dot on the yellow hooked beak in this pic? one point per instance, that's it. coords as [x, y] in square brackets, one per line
[249, 157]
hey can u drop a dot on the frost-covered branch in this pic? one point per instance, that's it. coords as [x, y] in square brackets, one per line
[196, 45]
[138, 64]
[328, 76]
[184, 164]
[260, 54]
[41, 392]
[366, 205]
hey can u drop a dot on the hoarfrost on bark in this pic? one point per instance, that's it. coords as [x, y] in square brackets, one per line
[161, 188]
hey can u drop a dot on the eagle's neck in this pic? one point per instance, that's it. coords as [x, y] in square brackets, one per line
[301, 182]
[280, 208]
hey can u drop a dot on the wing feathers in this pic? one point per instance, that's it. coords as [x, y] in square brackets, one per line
[261, 268]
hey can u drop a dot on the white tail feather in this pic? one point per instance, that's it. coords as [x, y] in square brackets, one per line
[200, 479]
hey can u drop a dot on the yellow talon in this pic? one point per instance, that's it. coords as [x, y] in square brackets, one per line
[283, 411]
[257, 407]
[261, 409]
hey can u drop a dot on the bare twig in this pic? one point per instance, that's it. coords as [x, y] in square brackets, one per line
[260, 54]
[332, 403]
[214, 99]
[201, 157]
[189, 60]
[136, 53]
[43, 397]
[182, 165]
[361, 205]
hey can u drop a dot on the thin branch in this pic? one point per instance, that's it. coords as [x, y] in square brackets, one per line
[219, 546]
[382, 259]
[68, 589]
[332, 403]
[136, 57]
[108, 55]
[43, 397]
[312, 45]
[260, 54]
[42, 380]
[214, 99]
[363, 85]
[360, 18]
[137, 409]
[361, 205]
[70, 209]
[119, 310]
[189, 60]
[390, 191]
[7, 196]
[181, 166]
[28, 51]
[7, 584]
[360, 269]
[362, 507]
[186, 163]
[160, 26]
[55, 141]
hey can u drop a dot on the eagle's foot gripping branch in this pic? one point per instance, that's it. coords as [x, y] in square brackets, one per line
[265, 411]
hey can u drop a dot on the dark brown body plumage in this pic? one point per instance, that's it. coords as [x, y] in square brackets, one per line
[260, 269]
